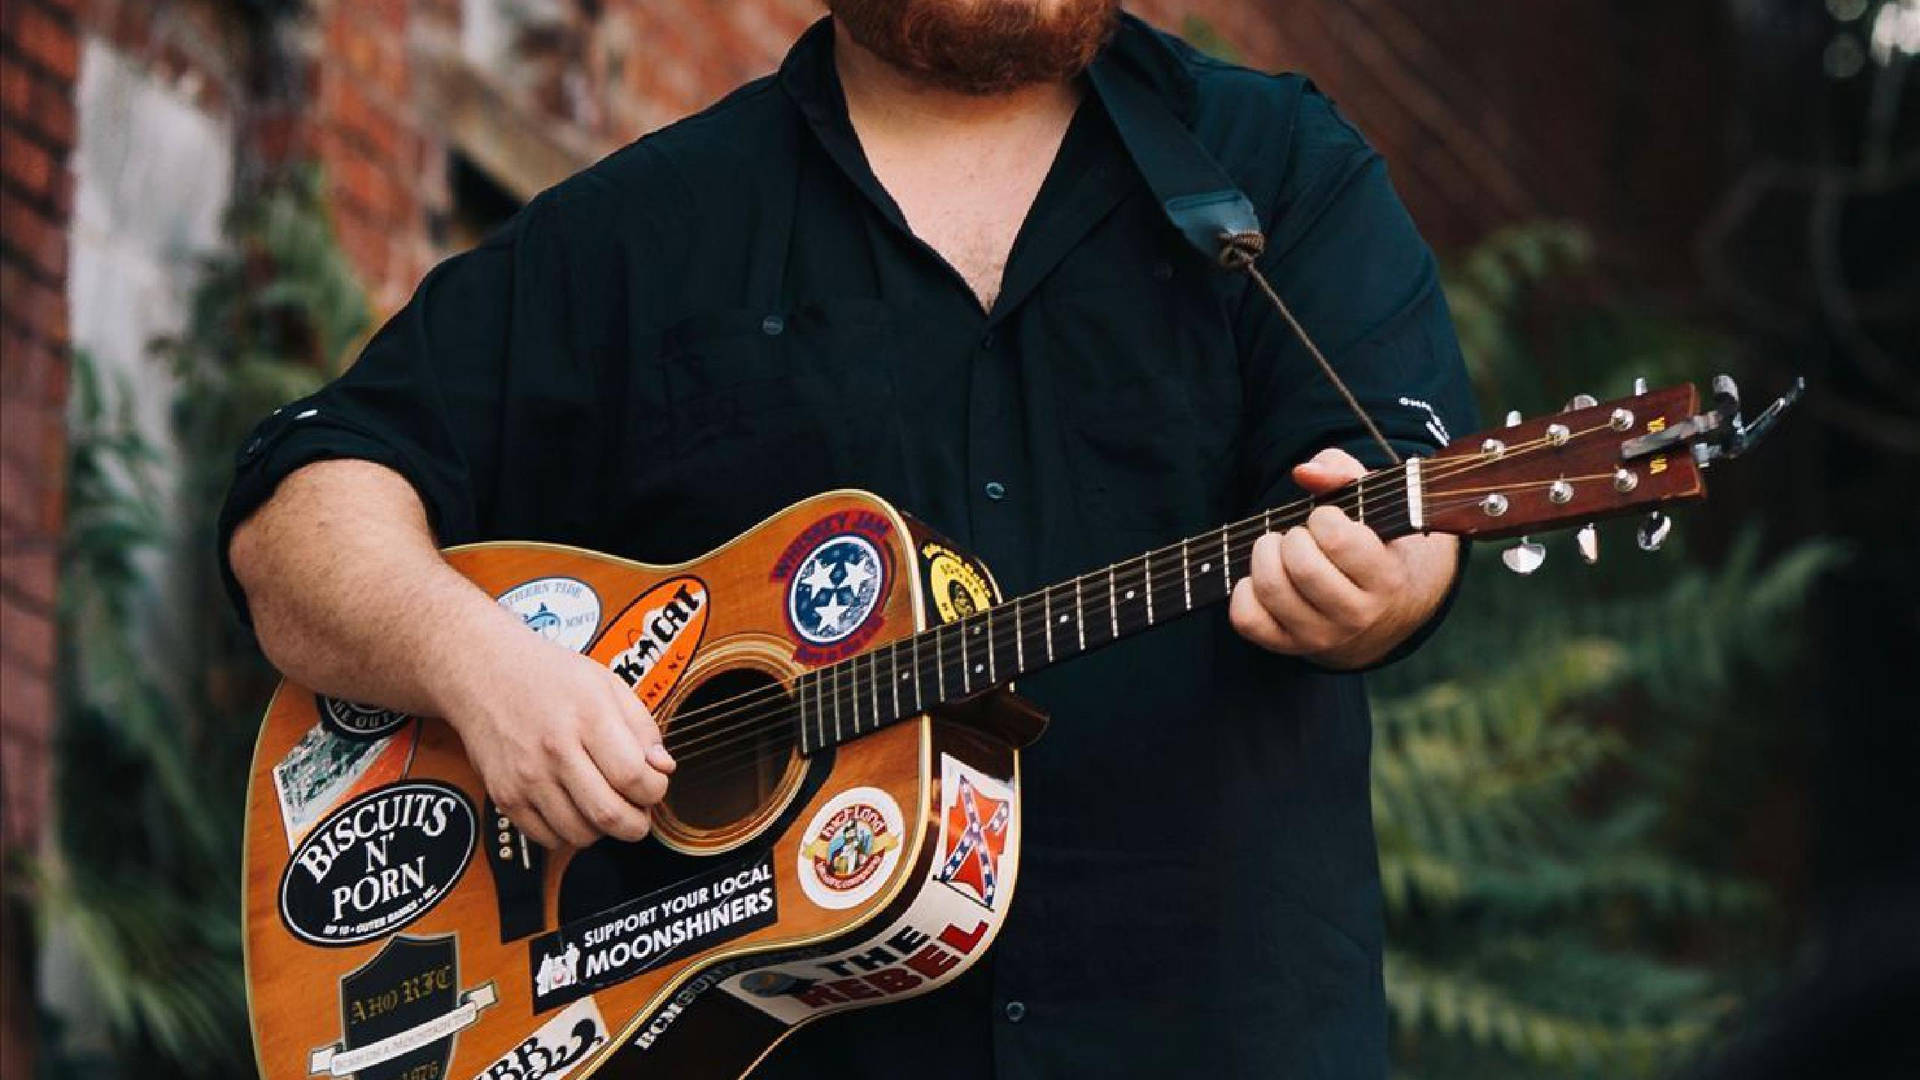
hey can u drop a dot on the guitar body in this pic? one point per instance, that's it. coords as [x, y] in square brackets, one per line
[399, 928]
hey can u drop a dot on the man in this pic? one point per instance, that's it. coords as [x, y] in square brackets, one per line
[918, 260]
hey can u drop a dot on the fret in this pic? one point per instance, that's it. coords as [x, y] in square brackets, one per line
[1186, 575]
[1113, 606]
[919, 705]
[1146, 568]
[820, 711]
[800, 684]
[873, 673]
[1226, 563]
[966, 666]
[993, 673]
[894, 676]
[834, 674]
[1046, 618]
[940, 662]
[1079, 616]
[1360, 506]
[1019, 639]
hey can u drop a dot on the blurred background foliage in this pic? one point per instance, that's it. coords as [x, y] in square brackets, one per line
[1561, 900]
[163, 685]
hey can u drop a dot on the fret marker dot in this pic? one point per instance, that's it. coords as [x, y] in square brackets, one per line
[1063, 618]
[1129, 594]
[1205, 566]
[978, 668]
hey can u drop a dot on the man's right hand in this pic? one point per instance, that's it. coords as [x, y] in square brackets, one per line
[561, 742]
[563, 745]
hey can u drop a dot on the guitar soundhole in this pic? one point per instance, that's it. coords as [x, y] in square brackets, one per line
[733, 740]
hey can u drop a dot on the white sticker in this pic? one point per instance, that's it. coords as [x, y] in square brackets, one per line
[850, 848]
[556, 1049]
[324, 769]
[560, 609]
[837, 587]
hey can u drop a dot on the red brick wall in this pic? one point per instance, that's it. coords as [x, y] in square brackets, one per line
[39, 59]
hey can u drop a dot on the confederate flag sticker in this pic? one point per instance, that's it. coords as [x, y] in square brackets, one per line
[976, 813]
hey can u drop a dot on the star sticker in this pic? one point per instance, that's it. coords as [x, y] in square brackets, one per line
[858, 574]
[820, 578]
[831, 612]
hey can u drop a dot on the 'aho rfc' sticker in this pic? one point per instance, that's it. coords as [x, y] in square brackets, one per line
[975, 813]
[400, 1011]
[556, 1048]
[323, 770]
[560, 609]
[378, 863]
[836, 575]
[352, 721]
[851, 848]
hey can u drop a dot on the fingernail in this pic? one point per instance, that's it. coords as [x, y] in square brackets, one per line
[658, 754]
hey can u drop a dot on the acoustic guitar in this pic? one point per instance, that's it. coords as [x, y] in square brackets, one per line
[843, 829]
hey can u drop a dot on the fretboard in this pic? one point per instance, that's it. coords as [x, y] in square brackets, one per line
[1020, 636]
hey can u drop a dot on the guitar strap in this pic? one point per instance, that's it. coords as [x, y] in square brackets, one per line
[1201, 202]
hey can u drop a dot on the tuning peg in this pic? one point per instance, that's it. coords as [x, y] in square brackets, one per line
[1513, 417]
[1588, 540]
[1653, 531]
[1524, 557]
[1639, 386]
[1581, 401]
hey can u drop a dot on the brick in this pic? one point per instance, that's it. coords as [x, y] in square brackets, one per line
[26, 700]
[31, 571]
[46, 39]
[16, 89]
[25, 764]
[40, 243]
[51, 114]
[26, 163]
[32, 456]
[26, 634]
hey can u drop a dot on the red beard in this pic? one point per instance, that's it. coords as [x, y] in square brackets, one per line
[981, 46]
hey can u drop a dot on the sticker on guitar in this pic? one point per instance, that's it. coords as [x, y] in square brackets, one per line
[976, 812]
[400, 1011]
[554, 1050]
[851, 847]
[836, 575]
[650, 644]
[324, 770]
[560, 609]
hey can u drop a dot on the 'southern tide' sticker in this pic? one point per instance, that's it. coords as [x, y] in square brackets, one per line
[561, 609]
[650, 644]
[850, 848]
[621, 942]
[556, 1048]
[378, 863]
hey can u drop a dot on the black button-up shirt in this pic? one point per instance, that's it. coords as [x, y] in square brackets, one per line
[732, 313]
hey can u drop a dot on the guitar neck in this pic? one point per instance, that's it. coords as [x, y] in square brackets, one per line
[1018, 637]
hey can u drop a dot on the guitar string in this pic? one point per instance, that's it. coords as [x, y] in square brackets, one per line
[784, 704]
[727, 756]
[1231, 535]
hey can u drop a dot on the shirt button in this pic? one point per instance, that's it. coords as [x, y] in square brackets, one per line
[986, 340]
[1016, 1011]
[772, 325]
[1163, 271]
[996, 490]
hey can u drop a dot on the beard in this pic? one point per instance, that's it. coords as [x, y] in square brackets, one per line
[981, 46]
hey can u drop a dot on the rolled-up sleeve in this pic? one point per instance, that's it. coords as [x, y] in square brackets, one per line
[424, 399]
[1344, 254]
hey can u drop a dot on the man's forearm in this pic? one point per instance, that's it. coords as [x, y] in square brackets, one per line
[350, 595]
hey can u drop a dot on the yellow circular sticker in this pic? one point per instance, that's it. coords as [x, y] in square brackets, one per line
[958, 589]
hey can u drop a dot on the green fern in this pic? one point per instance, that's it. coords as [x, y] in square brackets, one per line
[1524, 807]
[159, 681]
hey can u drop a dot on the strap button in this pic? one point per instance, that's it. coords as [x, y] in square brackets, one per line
[1016, 1011]
[996, 490]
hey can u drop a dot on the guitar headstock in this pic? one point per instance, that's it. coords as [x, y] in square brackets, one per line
[1595, 460]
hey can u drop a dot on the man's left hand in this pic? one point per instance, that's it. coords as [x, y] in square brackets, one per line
[1331, 591]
